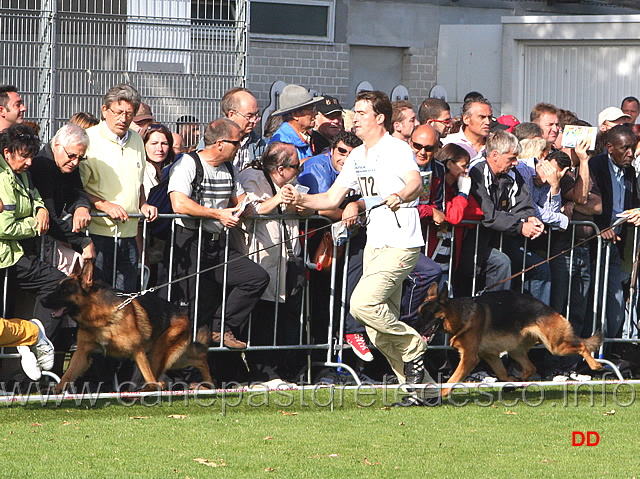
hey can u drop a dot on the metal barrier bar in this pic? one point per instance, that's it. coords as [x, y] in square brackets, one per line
[334, 346]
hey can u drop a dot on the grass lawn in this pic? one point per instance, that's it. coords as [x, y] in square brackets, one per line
[290, 434]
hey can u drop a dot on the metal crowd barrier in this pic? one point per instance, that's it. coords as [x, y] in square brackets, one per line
[333, 343]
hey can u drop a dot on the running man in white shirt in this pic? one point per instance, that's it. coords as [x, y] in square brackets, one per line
[385, 172]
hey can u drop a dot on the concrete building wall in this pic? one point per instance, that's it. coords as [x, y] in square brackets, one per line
[410, 26]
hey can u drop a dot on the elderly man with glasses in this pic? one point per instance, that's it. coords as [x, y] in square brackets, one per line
[112, 176]
[56, 176]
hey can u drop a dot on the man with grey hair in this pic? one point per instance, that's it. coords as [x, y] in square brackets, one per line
[527, 130]
[55, 174]
[476, 122]
[112, 176]
[509, 213]
[218, 205]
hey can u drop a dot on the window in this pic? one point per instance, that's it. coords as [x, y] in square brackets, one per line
[288, 19]
[217, 12]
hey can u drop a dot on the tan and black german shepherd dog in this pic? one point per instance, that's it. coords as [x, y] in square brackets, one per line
[147, 325]
[494, 322]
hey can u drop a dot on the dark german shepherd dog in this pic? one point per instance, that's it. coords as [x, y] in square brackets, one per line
[147, 324]
[494, 322]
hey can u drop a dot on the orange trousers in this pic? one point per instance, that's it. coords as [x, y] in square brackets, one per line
[17, 332]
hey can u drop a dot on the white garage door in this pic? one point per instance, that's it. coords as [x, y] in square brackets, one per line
[584, 77]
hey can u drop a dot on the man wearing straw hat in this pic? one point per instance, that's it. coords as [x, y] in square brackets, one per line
[297, 108]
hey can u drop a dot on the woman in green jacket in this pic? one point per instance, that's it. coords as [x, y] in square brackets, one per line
[24, 217]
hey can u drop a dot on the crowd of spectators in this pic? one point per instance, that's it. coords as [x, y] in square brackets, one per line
[531, 196]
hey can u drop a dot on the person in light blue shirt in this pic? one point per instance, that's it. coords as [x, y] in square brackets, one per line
[543, 179]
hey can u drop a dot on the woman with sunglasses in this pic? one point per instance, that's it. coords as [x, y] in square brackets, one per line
[24, 217]
[55, 174]
[263, 182]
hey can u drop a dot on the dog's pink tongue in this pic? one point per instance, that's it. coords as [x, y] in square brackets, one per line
[57, 313]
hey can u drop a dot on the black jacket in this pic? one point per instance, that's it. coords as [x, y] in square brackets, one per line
[599, 167]
[505, 202]
[62, 194]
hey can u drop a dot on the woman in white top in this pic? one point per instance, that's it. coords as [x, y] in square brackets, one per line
[262, 182]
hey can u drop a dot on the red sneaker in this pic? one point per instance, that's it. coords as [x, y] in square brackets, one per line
[359, 346]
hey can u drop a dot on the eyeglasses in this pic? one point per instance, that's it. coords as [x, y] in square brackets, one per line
[127, 114]
[344, 151]
[73, 156]
[235, 143]
[297, 166]
[426, 148]
[446, 122]
[252, 117]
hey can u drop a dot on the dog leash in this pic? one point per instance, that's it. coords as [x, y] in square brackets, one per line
[618, 222]
[131, 296]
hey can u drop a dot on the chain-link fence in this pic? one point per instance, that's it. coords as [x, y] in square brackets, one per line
[181, 55]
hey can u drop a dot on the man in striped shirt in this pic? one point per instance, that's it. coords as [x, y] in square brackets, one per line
[218, 209]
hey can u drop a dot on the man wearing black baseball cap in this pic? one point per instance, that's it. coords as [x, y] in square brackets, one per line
[328, 124]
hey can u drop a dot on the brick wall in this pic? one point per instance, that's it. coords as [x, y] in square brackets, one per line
[323, 67]
[419, 73]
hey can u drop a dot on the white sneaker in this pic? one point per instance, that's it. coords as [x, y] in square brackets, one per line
[580, 377]
[29, 363]
[43, 349]
[275, 383]
[571, 376]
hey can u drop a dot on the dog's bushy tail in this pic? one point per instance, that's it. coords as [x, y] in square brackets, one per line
[203, 336]
[594, 342]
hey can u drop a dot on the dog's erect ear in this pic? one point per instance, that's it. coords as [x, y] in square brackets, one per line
[444, 294]
[87, 275]
[77, 269]
[432, 292]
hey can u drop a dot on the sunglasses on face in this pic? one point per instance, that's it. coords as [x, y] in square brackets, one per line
[426, 148]
[344, 151]
[446, 122]
[28, 137]
[73, 156]
[233, 142]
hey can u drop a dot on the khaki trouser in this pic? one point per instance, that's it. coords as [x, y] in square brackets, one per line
[17, 332]
[376, 303]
